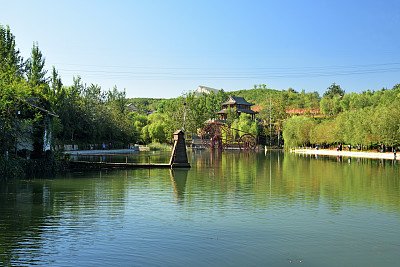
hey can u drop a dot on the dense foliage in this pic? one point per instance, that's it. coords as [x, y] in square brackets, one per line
[191, 112]
[89, 115]
[367, 119]
[145, 105]
[86, 114]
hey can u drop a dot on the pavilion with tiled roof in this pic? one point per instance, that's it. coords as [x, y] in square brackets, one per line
[241, 105]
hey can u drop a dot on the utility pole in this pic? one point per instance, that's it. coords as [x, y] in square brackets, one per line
[184, 117]
[270, 122]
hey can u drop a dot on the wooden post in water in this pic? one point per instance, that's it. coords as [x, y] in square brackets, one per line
[178, 155]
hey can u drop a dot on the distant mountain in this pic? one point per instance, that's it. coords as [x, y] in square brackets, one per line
[206, 90]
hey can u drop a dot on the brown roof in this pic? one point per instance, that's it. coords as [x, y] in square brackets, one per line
[236, 100]
[247, 111]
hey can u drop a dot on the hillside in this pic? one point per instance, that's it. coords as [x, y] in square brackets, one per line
[145, 104]
[256, 96]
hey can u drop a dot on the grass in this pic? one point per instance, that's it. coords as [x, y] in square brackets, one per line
[158, 146]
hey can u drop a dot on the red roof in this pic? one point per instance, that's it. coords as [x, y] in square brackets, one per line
[302, 111]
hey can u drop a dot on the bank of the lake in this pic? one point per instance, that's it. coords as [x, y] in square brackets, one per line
[12, 167]
[355, 154]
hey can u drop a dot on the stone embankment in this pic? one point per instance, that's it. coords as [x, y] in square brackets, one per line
[355, 154]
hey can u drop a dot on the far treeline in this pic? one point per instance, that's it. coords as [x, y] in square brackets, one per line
[87, 115]
[367, 120]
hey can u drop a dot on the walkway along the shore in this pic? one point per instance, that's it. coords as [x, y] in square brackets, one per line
[356, 154]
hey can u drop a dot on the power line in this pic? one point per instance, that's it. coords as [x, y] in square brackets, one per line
[228, 68]
[228, 73]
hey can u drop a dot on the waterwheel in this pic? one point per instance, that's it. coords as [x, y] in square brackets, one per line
[215, 135]
[247, 141]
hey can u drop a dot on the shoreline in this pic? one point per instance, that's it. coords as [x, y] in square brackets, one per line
[356, 154]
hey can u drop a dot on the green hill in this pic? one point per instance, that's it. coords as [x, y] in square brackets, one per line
[256, 96]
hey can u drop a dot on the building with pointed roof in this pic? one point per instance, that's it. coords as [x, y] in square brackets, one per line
[241, 105]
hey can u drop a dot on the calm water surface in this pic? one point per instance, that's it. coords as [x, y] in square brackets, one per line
[229, 209]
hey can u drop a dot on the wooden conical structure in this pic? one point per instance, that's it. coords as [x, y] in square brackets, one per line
[178, 156]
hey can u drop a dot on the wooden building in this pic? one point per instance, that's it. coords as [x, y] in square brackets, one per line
[34, 139]
[241, 105]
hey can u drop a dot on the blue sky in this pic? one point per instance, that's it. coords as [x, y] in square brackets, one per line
[164, 48]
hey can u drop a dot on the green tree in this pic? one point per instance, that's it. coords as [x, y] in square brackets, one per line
[386, 125]
[231, 115]
[156, 130]
[191, 110]
[56, 83]
[117, 99]
[326, 105]
[11, 62]
[13, 108]
[69, 109]
[297, 131]
[334, 90]
[35, 67]
[244, 124]
[324, 133]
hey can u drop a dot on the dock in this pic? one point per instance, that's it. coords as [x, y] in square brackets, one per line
[178, 158]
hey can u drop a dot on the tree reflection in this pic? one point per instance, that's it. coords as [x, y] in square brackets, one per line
[293, 178]
[30, 208]
[33, 211]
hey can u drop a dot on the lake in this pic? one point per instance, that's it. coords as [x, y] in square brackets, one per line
[229, 209]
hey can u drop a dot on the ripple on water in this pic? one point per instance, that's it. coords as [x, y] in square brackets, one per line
[237, 210]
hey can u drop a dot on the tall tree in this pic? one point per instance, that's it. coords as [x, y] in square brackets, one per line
[334, 90]
[35, 67]
[11, 62]
[297, 131]
[56, 83]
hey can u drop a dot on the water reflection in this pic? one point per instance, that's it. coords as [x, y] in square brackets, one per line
[178, 179]
[225, 207]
